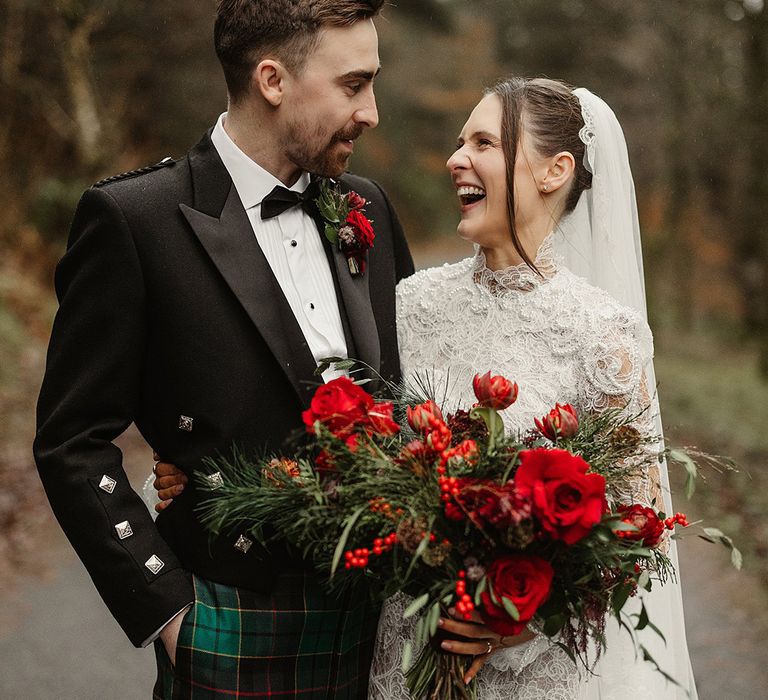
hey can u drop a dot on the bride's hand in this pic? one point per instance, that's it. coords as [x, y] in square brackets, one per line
[484, 642]
[169, 482]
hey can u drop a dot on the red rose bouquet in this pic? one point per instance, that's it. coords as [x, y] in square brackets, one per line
[453, 512]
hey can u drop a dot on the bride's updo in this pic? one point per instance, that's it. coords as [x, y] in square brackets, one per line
[551, 114]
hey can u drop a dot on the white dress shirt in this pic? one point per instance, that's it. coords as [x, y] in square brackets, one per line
[292, 246]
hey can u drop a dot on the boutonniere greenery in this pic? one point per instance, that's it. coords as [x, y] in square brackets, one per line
[346, 225]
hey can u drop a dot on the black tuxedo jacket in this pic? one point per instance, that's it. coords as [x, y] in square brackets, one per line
[170, 317]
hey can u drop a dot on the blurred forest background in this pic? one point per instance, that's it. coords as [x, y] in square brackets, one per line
[89, 88]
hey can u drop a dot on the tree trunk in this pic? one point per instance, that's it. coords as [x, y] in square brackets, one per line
[754, 241]
[73, 31]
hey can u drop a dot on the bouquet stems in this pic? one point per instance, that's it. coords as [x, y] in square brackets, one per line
[439, 676]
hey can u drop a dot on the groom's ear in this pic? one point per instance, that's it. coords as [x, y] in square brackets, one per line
[269, 79]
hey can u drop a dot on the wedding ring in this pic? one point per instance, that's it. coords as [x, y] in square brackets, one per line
[490, 648]
[154, 468]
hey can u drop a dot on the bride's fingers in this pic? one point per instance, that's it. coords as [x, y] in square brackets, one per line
[466, 629]
[166, 469]
[474, 669]
[167, 482]
[468, 648]
[160, 507]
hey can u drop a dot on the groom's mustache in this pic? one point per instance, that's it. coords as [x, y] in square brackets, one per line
[351, 134]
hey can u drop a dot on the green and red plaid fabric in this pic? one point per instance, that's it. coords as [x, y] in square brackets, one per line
[296, 642]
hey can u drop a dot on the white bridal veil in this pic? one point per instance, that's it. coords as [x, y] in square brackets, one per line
[600, 241]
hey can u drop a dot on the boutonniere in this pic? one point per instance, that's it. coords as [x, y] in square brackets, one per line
[346, 224]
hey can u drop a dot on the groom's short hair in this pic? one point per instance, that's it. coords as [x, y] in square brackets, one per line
[247, 31]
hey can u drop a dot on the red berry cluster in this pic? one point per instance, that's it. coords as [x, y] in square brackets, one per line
[358, 558]
[449, 485]
[678, 518]
[465, 605]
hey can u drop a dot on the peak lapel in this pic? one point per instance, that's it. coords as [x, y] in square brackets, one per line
[231, 245]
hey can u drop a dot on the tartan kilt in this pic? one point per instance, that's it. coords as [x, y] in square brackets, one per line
[295, 642]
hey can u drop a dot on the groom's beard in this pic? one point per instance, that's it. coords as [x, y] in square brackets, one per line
[330, 160]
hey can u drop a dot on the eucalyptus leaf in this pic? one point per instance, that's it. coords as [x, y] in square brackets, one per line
[690, 468]
[642, 620]
[416, 605]
[511, 608]
[407, 656]
[342, 543]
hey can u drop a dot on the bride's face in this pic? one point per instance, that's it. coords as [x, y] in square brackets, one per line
[479, 174]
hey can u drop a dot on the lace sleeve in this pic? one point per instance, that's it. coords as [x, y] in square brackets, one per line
[616, 372]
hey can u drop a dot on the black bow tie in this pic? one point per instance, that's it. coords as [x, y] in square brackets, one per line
[281, 198]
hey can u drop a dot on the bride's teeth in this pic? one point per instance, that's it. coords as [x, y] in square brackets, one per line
[467, 191]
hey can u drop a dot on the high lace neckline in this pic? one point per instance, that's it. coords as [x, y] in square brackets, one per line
[516, 278]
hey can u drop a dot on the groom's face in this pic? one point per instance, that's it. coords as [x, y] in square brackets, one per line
[331, 102]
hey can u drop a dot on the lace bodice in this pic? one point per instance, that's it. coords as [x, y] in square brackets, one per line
[558, 337]
[561, 340]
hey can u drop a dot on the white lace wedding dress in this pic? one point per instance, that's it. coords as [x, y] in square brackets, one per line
[560, 339]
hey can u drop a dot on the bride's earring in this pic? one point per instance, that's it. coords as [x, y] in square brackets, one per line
[545, 188]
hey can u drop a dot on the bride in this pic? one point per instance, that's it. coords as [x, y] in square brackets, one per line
[553, 299]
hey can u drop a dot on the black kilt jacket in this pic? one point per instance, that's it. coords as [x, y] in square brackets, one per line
[170, 318]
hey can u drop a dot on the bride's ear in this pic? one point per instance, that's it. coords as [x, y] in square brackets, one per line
[559, 172]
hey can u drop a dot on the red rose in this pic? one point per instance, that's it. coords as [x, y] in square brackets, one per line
[561, 421]
[355, 201]
[340, 405]
[649, 527]
[523, 580]
[363, 230]
[421, 417]
[494, 392]
[567, 501]
[380, 419]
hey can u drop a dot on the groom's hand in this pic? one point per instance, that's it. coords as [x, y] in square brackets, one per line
[169, 635]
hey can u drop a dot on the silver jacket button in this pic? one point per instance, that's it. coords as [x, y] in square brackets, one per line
[107, 484]
[123, 529]
[243, 544]
[154, 563]
[185, 423]
[215, 480]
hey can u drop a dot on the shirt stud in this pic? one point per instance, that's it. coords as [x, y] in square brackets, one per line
[124, 529]
[107, 484]
[154, 563]
[185, 423]
[243, 544]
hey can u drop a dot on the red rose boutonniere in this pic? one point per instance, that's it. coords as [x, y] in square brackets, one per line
[346, 225]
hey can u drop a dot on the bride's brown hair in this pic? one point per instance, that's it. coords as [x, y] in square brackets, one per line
[551, 114]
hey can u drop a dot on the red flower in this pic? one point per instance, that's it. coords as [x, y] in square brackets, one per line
[356, 202]
[363, 230]
[340, 405]
[466, 450]
[567, 501]
[525, 581]
[439, 438]
[421, 417]
[649, 527]
[494, 392]
[487, 502]
[561, 421]
[380, 419]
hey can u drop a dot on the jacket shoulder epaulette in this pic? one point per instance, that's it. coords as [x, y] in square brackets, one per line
[164, 163]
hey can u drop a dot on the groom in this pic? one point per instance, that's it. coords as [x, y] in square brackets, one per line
[196, 298]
